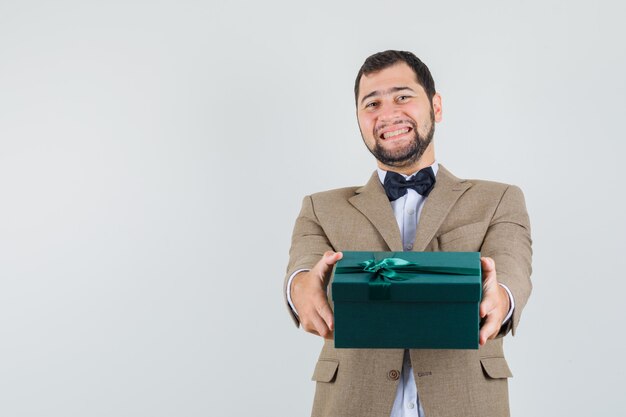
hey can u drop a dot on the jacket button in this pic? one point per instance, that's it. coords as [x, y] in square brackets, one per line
[394, 374]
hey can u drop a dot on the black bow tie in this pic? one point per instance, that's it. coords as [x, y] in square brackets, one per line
[396, 186]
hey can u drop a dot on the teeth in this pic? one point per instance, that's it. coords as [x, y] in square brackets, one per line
[388, 135]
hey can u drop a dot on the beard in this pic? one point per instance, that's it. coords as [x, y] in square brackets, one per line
[408, 154]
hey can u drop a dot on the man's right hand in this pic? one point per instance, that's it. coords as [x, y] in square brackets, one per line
[308, 294]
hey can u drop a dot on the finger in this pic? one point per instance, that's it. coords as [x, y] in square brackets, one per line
[326, 313]
[312, 331]
[314, 324]
[489, 330]
[329, 259]
[488, 304]
[487, 264]
[490, 285]
[488, 267]
[320, 325]
[332, 257]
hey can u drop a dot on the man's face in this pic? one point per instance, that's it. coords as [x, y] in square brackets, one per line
[396, 119]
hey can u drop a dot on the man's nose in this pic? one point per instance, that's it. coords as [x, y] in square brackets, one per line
[390, 113]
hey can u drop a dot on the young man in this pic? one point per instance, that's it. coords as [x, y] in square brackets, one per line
[410, 203]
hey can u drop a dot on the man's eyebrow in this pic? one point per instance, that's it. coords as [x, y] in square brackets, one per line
[389, 91]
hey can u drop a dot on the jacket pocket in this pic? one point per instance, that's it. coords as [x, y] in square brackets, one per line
[465, 238]
[325, 370]
[495, 367]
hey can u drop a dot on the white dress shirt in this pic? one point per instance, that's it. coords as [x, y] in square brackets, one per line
[407, 210]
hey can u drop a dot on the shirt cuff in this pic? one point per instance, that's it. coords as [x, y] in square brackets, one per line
[289, 290]
[511, 304]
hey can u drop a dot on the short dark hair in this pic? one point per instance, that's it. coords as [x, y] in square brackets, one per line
[382, 60]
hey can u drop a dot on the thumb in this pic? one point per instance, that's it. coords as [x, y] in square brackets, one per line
[488, 265]
[324, 265]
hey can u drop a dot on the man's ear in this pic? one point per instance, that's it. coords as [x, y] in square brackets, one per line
[437, 111]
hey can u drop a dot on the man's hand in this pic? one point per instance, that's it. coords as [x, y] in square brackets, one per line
[495, 304]
[308, 294]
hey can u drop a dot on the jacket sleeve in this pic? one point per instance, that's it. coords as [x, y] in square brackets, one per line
[308, 244]
[508, 242]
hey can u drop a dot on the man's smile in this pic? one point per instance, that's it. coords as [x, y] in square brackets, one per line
[395, 131]
[395, 134]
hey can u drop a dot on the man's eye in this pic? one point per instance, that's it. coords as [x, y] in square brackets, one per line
[371, 105]
[403, 98]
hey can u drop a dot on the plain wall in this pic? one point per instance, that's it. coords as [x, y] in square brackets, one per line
[153, 157]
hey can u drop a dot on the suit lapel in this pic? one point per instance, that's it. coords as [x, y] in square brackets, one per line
[446, 192]
[372, 201]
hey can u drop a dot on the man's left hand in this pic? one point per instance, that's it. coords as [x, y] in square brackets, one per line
[495, 304]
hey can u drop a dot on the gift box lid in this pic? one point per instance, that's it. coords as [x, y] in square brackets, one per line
[420, 277]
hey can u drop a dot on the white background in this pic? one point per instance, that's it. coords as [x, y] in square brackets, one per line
[153, 157]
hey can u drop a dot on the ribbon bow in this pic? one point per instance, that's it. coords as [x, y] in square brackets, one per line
[388, 270]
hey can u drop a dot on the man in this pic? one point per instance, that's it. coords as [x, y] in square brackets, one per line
[410, 203]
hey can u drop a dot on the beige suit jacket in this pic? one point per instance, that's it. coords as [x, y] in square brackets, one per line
[458, 215]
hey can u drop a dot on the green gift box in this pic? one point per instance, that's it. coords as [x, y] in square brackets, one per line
[417, 300]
